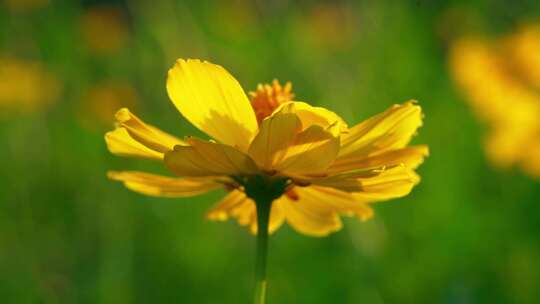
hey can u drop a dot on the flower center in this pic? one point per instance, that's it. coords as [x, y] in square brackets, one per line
[269, 97]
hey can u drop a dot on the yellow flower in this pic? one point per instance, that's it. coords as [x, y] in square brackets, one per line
[326, 168]
[501, 80]
[26, 86]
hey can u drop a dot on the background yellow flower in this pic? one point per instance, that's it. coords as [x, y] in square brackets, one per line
[501, 81]
[26, 86]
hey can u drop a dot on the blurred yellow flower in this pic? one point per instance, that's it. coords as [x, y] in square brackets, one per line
[501, 80]
[101, 101]
[104, 29]
[26, 86]
[324, 168]
[524, 51]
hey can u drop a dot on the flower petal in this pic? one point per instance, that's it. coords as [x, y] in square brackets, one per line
[120, 143]
[308, 216]
[382, 182]
[277, 132]
[392, 129]
[310, 115]
[135, 138]
[206, 158]
[312, 152]
[156, 185]
[336, 200]
[280, 146]
[393, 183]
[411, 157]
[212, 100]
[223, 209]
[241, 208]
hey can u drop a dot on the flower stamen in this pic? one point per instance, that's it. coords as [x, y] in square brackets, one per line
[269, 97]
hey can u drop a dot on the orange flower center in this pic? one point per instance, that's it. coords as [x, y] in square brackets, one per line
[269, 97]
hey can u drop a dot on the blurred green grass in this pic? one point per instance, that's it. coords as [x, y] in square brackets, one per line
[467, 234]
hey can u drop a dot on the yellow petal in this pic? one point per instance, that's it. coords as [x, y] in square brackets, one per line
[236, 205]
[206, 158]
[146, 135]
[312, 152]
[277, 132]
[392, 129]
[277, 218]
[156, 185]
[411, 157]
[222, 211]
[336, 200]
[393, 183]
[308, 216]
[373, 185]
[310, 115]
[212, 100]
[120, 143]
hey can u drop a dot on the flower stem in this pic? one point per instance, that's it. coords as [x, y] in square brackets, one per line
[263, 190]
[263, 216]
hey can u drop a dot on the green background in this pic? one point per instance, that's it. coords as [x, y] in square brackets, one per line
[469, 233]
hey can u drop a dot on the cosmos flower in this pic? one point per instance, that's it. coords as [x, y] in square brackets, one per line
[501, 81]
[322, 167]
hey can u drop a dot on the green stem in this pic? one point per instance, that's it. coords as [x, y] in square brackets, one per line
[263, 190]
[263, 216]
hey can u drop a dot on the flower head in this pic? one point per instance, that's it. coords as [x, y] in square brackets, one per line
[501, 81]
[307, 158]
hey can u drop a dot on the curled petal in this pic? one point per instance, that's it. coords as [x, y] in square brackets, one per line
[213, 101]
[120, 143]
[206, 158]
[156, 185]
[135, 138]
